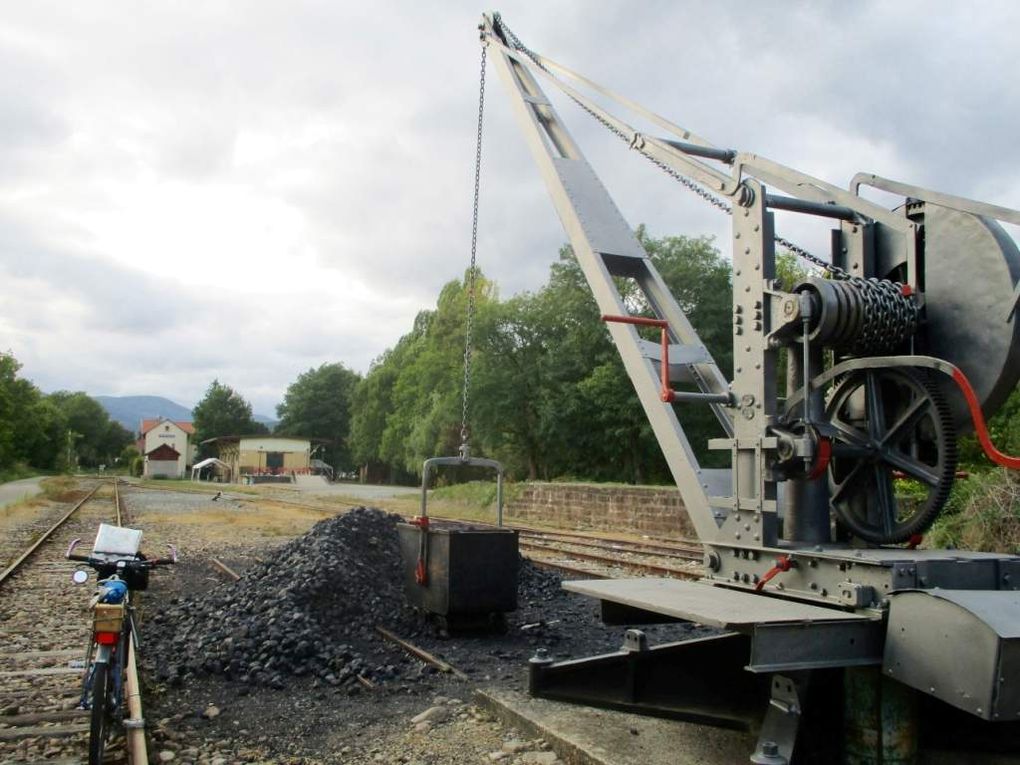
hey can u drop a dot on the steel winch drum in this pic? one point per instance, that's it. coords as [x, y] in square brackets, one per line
[971, 268]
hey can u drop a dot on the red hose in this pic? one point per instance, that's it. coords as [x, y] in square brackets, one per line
[979, 423]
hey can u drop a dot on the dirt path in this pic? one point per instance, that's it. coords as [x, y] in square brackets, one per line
[15, 491]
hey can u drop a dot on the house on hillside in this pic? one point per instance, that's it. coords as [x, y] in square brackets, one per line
[166, 446]
[265, 459]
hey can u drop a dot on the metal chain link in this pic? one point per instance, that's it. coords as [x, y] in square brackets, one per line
[470, 320]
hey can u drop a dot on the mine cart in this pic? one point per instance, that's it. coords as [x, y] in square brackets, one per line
[465, 576]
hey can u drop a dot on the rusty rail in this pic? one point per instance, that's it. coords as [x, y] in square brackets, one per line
[46, 535]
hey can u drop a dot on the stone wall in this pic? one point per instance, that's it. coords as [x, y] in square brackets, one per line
[651, 510]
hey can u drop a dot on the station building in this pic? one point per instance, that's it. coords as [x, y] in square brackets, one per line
[166, 447]
[263, 459]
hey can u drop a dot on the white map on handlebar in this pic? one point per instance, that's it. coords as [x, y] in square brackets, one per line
[117, 541]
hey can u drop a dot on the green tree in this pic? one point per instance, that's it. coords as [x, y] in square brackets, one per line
[223, 412]
[553, 391]
[96, 440]
[550, 397]
[31, 428]
[371, 408]
[41, 446]
[318, 404]
[509, 380]
[115, 439]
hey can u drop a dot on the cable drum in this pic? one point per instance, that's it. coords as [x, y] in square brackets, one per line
[863, 317]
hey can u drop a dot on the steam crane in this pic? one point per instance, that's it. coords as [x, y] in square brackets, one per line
[907, 339]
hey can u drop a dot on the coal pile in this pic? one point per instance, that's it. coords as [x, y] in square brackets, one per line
[308, 611]
[537, 585]
[311, 609]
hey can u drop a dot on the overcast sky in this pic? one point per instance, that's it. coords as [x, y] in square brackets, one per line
[246, 190]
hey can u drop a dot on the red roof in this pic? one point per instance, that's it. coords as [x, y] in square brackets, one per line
[164, 452]
[148, 425]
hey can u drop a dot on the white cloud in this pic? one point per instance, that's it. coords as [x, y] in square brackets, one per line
[243, 191]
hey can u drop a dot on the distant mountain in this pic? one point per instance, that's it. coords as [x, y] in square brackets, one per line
[129, 411]
[269, 422]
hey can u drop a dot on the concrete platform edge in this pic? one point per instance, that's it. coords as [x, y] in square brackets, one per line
[567, 750]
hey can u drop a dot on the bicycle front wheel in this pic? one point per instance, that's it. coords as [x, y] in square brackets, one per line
[100, 713]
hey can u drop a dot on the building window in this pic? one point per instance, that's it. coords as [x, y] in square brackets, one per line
[274, 459]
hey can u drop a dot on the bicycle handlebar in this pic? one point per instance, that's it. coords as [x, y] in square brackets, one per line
[138, 563]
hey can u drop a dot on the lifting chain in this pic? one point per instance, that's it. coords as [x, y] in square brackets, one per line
[863, 317]
[515, 43]
[465, 450]
[889, 316]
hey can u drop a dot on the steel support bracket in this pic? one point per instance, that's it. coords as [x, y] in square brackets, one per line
[701, 680]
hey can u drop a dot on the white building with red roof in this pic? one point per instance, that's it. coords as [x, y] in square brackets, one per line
[166, 446]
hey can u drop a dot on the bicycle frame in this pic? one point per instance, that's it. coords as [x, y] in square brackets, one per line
[103, 684]
[108, 646]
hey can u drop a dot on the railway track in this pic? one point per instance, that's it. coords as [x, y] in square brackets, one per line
[610, 561]
[591, 554]
[44, 632]
[615, 544]
[588, 554]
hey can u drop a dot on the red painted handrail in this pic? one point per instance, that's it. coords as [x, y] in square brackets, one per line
[666, 394]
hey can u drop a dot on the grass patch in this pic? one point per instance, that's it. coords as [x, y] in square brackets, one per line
[194, 487]
[983, 514]
[61, 488]
[18, 471]
[471, 501]
[266, 519]
[479, 494]
[56, 489]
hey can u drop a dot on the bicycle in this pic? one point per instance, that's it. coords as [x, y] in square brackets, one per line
[121, 569]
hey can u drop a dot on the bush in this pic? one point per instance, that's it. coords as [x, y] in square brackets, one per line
[17, 471]
[983, 514]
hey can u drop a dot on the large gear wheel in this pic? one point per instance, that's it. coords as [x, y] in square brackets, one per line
[887, 425]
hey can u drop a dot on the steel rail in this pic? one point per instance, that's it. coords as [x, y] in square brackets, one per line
[613, 545]
[421, 654]
[135, 725]
[46, 535]
[224, 568]
[117, 502]
[678, 544]
[648, 568]
[562, 567]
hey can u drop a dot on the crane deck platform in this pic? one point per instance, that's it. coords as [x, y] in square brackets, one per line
[706, 604]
